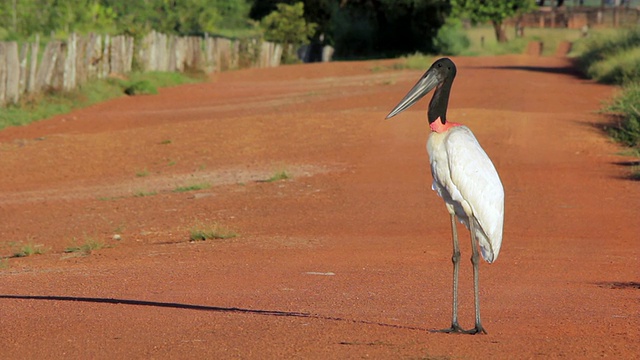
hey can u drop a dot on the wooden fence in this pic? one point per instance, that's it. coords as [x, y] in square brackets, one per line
[579, 17]
[65, 65]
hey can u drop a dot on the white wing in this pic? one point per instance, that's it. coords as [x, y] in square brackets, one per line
[474, 180]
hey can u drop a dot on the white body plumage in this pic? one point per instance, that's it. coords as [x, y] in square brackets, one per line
[465, 178]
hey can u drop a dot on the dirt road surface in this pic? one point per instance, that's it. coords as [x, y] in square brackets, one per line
[350, 256]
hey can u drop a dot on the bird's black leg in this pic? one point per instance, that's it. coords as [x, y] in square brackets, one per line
[475, 261]
[455, 258]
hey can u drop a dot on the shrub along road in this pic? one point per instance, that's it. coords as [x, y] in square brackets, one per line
[350, 256]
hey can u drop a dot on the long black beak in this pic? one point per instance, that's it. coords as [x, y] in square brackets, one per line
[428, 81]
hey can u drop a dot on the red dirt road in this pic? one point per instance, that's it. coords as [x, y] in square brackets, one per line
[350, 258]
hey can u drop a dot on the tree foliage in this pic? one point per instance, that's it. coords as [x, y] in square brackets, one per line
[23, 18]
[388, 27]
[286, 25]
[365, 28]
[451, 38]
[495, 11]
[356, 28]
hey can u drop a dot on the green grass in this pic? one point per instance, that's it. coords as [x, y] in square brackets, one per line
[142, 87]
[192, 187]
[611, 57]
[625, 108]
[46, 105]
[143, 193]
[87, 248]
[142, 173]
[156, 79]
[214, 231]
[280, 175]
[110, 198]
[630, 152]
[4, 264]
[417, 61]
[614, 57]
[620, 67]
[28, 250]
[550, 38]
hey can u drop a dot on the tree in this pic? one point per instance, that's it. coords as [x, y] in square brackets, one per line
[495, 11]
[287, 26]
[21, 19]
[374, 28]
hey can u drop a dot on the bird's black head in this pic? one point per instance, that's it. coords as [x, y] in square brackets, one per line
[443, 68]
[439, 76]
[445, 71]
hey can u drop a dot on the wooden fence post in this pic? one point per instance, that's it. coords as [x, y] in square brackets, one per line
[45, 71]
[114, 55]
[69, 70]
[57, 77]
[24, 54]
[208, 57]
[174, 60]
[12, 60]
[129, 45]
[3, 73]
[94, 56]
[33, 66]
[69, 64]
[105, 68]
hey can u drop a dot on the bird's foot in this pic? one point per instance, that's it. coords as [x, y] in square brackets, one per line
[477, 330]
[454, 329]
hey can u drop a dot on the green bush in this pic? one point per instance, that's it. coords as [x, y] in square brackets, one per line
[614, 57]
[618, 68]
[627, 106]
[415, 61]
[451, 38]
[287, 26]
[611, 57]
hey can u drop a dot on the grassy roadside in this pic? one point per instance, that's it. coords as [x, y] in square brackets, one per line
[454, 40]
[613, 57]
[482, 40]
[45, 105]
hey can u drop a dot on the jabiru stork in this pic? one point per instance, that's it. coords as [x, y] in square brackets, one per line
[464, 176]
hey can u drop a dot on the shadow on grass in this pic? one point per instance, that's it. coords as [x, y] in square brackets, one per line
[604, 128]
[627, 163]
[219, 309]
[635, 169]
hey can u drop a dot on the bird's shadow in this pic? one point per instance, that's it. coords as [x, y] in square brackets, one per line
[194, 307]
[619, 285]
